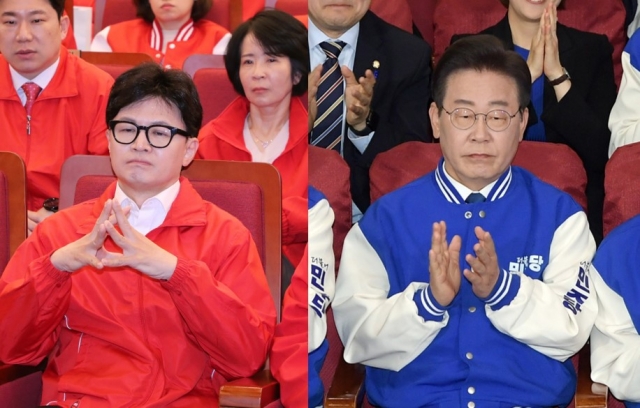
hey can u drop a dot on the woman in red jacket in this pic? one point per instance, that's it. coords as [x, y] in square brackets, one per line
[168, 31]
[268, 62]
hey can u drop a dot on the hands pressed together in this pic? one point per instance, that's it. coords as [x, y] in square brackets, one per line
[444, 265]
[138, 252]
[544, 57]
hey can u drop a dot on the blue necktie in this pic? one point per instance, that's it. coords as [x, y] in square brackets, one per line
[328, 127]
[475, 198]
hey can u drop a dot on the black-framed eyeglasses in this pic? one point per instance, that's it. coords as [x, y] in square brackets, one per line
[158, 136]
[497, 120]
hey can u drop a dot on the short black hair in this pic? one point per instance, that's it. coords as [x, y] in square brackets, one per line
[482, 52]
[506, 4]
[149, 81]
[58, 6]
[278, 33]
[199, 10]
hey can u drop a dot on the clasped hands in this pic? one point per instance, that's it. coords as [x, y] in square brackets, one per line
[444, 265]
[544, 57]
[138, 252]
[357, 96]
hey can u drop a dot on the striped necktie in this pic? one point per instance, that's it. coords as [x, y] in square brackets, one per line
[328, 127]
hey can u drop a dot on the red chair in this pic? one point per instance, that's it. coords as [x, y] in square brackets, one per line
[227, 13]
[422, 12]
[200, 61]
[293, 7]
[114, 63]
[622, 190]
[13, 205]
[330, 174]
[622, 198]
[215, 90]
[396, 12]
[462, 16]
[249, 191]
[20, 386]
[555, 164]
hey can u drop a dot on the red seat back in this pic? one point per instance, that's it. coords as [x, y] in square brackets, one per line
[13, 205]
[200, 61]
[330, 174]
[622, 189]
[293, 7]
[553, 163]
[396, 12]
[215, 90]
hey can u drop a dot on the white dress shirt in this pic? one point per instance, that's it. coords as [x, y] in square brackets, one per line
[152, 212]
[41, 80]
[463, 190]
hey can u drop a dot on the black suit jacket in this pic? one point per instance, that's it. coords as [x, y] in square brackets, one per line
[400, 98]
[580, 119]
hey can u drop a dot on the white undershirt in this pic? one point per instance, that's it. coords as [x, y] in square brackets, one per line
[153, 211]
[272, 151]
[463, 190]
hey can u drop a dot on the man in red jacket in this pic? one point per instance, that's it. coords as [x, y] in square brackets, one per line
[149, 295]
[52, 103]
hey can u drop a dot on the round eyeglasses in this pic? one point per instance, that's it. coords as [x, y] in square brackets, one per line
[158, 136]
[496, 120]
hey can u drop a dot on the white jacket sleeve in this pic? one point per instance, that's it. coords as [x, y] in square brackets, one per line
[555, 316]
[221, 47]
[100, 42]
[615, 344]
[322, 274]
[369, 323]
[624, 120]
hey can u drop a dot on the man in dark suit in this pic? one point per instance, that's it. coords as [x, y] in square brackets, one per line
[385, 80]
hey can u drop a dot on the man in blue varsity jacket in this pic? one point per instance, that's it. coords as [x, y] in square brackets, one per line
[615, 343]
[469, 286]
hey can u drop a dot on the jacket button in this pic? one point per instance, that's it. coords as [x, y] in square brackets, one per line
[469, 356]
[467, 215]
[172, 46]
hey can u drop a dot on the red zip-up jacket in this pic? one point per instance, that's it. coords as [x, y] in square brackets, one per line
[222, 139]
[67, 118]
[117, 338]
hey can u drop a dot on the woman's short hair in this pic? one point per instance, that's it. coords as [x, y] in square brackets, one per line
[482, 52]
[278, 33]
[150, 81]
[199, 10]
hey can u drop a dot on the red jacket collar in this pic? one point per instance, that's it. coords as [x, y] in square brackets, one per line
[229, 125]
[64, 83]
